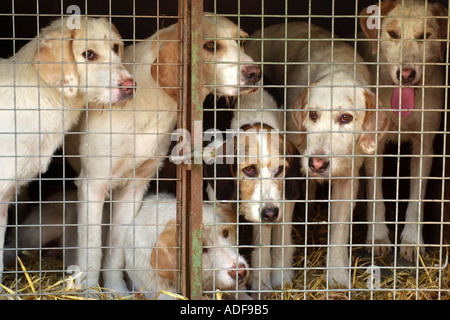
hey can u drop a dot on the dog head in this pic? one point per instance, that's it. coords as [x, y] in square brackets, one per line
[226, 66]
[411, 33]
[340, 122]
[85, 60]
[222, 265]
[261, 172]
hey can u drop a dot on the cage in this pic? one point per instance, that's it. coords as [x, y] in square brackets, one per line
[209, 187]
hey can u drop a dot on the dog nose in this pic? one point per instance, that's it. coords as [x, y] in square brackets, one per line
[269, 213]
[240, 272]
[127, 87]
[251, 74]
[408, 75]
[318, 165]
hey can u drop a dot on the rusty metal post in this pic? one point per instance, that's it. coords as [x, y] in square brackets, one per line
[191, 192]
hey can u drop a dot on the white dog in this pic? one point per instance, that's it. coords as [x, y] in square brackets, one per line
[330, 101]
[152, 256]
[123, 149]
[407, 51]
[43, 90]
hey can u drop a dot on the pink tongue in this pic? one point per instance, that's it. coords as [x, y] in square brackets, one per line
[407, 101]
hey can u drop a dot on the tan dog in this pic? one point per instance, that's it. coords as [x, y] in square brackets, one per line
[408, 50]
[43, 90]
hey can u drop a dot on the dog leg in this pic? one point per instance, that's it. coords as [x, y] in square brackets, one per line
[378, 233]
[127, 202]
[91, 195]
[420, 171]
[261, 258]
[338, 254]
[283, 252]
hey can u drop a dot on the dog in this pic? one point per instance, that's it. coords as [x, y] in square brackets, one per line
[123, 149]
[261, 177]
[332, 118]
[406, 51]
[152, 262]
[44, 89]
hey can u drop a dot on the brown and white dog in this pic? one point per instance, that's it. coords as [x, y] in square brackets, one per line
[407, 51]
[44, 88]
[259, 170]
[153, 255]
[123, 149]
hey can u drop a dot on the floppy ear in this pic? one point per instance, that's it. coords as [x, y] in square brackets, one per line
[167, 65]
[375, 125]
[296, 115]
[164, 256]
[55, 62]
[219, 168]
[386, 7]
[292, 186]
[441, 12]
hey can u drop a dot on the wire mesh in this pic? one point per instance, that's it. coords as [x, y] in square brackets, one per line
[265, 190]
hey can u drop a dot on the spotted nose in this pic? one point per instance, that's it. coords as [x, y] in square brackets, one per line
[318, 165]
[251, 74]
[239, 273]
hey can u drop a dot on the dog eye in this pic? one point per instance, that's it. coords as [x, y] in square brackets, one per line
[250, 171]
[116, 48]
[346, 118]
[89, 55]
[209, 45]
[313, 115]
[225, 233]
[393, 34]
[279, 171]
[421, 36]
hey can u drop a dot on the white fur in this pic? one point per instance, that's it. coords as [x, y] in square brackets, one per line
[124, 148]
[220, 254]
[422, 119]
[39, 105]
[335, 90]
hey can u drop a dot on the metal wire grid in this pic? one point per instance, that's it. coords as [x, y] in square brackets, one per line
[314, 220]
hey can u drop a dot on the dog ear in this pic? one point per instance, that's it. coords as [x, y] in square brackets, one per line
[55, 62]
[225, 189]
[296, 117]
[441, 12]
[376, 123]
[372, 33]
[164, 256]
[292, 186]
[167, 65]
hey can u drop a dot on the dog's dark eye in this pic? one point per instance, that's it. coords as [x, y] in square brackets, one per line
[313, 115]
[89, 55]
[225, 233]
[422, 35]
[346, 118]
[209, 45]
[250, 171]
[393, 34]
[116, 48]
[279, 171]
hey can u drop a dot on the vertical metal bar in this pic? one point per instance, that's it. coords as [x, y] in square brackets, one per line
[192, 174]
[184, 19]
[196, 174]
